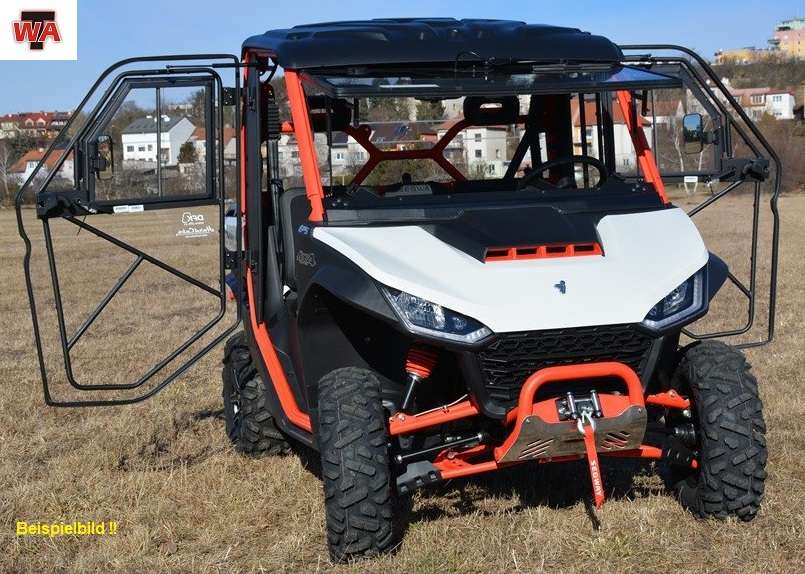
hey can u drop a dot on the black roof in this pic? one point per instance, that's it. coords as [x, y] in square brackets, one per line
[432, 40]
[148, 125]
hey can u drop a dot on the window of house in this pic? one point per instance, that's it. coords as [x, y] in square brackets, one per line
[757, 99]
[129, 148]
[497, 153]
[477, 137]
[141, 148]
[294, 154]
[478, 154]
[777, 98]
[150, 147]
[339, 155]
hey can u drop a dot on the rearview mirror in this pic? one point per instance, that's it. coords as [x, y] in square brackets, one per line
[104, 161]
[692, 133]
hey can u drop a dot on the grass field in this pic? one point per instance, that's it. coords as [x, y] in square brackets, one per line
[185, 501]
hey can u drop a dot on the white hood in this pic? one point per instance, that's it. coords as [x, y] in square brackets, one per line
[646, 255]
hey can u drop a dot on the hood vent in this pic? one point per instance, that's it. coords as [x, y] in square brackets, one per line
[543, 251]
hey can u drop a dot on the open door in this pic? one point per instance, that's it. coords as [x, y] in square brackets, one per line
[132, 198]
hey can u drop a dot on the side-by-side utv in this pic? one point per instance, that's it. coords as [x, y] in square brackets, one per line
[497, 277]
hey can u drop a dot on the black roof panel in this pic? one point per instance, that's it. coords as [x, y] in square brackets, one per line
[414, 40]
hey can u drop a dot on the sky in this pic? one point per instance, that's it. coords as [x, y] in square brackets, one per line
[112, 30]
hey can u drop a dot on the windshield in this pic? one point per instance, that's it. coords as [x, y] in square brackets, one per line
[428, 138]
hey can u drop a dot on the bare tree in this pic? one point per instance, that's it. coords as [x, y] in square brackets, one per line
[6, 161]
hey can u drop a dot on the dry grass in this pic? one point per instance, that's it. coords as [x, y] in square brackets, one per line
[186, 501]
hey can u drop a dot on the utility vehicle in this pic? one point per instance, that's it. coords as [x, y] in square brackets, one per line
[525, 297]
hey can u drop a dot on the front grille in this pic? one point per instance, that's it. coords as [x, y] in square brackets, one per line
[508, 361]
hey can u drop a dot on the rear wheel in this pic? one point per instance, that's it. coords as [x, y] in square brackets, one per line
[249, 423]
[728, 417]
[356, 471]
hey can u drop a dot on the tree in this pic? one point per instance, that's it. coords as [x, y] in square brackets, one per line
[384, 110]
[187, 153]
[281, 96]
[429, 110]
[197, 113]
[6, 161]
[19, 145]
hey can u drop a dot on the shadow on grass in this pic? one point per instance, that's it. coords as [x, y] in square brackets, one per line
[555, 486]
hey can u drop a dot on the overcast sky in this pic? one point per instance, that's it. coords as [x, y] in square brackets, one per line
[112, 30]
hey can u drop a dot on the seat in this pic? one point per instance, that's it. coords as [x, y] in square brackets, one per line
[294, 210]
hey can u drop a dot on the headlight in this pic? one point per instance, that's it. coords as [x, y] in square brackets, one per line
[421, 316]
[682, 302]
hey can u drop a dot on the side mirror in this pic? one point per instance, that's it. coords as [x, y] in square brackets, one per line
[104, 161]
[692, 133]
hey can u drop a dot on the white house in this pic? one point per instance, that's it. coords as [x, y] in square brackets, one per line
[139, 139]
[484, 147]
[758, 102]
[761, 101]
[25, 166]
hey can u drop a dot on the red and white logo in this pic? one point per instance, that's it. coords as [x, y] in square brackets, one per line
[38, 29]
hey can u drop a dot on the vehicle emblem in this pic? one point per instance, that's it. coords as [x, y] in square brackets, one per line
[308, 259]
[561, 287]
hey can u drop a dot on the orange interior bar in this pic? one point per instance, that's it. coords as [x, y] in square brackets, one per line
[307, 149]
[376, 155]
[645, 157]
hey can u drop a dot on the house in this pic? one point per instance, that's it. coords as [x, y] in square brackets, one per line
[625, 159]
[139, 139]
[8, 126]
[25, 166]
[761, 101]
[789, 38]
[482, 147]
[199, 141]
[58, 120]
[33, 124]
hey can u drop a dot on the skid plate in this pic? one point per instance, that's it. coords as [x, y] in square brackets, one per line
[539, 439]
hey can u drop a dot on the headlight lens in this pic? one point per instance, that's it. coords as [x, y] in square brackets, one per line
[422, 316]
[680, 303]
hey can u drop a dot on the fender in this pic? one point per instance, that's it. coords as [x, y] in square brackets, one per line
[717, 273]
[346, 281]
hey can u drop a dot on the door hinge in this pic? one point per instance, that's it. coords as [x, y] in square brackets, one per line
[229, 96]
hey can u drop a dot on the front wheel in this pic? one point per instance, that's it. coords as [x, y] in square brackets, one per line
[356, 471]
[731, 443]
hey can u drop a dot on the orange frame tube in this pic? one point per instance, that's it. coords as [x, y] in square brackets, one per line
[279, 381]
[307, 149]
[645, 157]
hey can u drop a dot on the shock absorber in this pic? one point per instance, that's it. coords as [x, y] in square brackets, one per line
[419, 365]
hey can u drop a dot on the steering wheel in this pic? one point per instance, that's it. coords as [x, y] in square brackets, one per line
[536, 172]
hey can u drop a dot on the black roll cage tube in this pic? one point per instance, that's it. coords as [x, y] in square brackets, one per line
[730, 123]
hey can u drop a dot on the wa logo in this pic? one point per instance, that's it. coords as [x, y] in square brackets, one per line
[36, 28]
